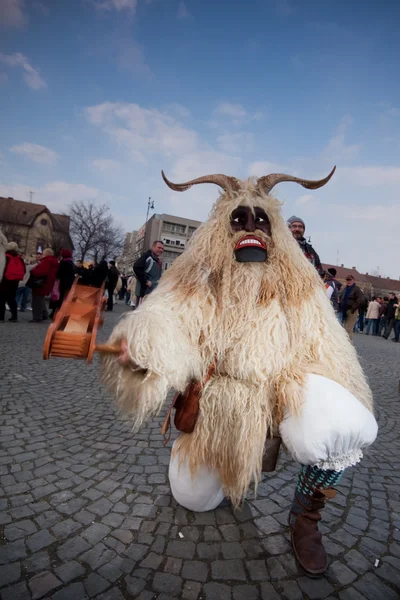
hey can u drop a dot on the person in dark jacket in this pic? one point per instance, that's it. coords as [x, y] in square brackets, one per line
[390, 315]
[14, 271]
[99, 273]
[82, 273]
[66, 277]
[383, 315]
[43, 277]
[297, 227]
[112, 280]
[350, 300]
[332, 289]
[148, 269]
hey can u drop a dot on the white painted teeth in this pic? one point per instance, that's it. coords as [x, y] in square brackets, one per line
[250, 241]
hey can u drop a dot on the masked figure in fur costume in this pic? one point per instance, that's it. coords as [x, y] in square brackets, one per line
[243, 298]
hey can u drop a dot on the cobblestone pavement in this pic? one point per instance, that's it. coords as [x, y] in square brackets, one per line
[86, 510]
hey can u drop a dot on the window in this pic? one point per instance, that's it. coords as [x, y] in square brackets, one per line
[174, 228]
[43, 221]
[192, 230]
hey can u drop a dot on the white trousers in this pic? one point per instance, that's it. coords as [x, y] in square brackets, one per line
[330, 433]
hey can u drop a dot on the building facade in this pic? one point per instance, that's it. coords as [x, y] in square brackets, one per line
[127, 258]
[174, 232]
[33, 226]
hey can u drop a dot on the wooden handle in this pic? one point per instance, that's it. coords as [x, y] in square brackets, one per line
[107, 348]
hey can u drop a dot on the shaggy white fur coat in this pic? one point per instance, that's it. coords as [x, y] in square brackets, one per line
[265, 325]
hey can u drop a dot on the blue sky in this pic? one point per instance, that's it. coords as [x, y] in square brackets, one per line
[97, 96]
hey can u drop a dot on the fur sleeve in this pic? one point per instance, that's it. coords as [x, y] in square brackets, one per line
[160, 345]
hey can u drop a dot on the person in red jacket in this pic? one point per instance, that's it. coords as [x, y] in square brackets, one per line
[14, 271]
[43, 277]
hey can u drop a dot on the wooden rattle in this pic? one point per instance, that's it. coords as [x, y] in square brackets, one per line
[73, 332]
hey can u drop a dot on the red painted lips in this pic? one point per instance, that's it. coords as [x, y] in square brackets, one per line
[250, 241]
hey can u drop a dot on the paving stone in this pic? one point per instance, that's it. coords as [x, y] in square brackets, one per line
[217, 591]
[291, 591]
[11, 552]
[340, 573]
[195, 570]
[112, 594]
[74, 591]
[152, 561]
[40, 540]
[134, 585]
[69, 571]
[257, 570]
[94, 584]
[357, 562]
[374, 589]
[95, 533]
[37, 562]
[19, 591]
[228, 569]
[181, 549]
[43, 583]
[136, 551]
[72, 548]
[232, 550]
[268, 592]
[10, 573]
[19, 530]
[165, 582]
[316, 589]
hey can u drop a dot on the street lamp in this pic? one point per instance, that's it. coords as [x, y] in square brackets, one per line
[150, 205]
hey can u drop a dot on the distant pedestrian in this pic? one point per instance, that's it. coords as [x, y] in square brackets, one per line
[397, 325]
[373, 316]
[390, 315]
[3, 246]
[65, 277]
[332, 289]
[112, 281]
[383, 315]
[24, 292]
[350, 300]
[99, 273]
[14, 271]
[82, 273]
[42, 280]
[148, 269]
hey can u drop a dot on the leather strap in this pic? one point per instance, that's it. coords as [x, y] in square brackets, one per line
[166, 426]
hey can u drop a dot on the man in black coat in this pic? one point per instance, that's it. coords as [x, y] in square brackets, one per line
[112, 280]
[297, 227]
[390, 315]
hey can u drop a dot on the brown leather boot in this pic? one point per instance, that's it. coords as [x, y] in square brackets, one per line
[306, 539]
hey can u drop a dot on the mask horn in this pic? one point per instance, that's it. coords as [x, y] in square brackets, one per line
[224, 181]
[266, 183]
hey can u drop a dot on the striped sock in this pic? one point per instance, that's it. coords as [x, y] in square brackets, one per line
[310, 480]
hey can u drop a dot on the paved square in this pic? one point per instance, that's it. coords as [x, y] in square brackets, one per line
[86, 509]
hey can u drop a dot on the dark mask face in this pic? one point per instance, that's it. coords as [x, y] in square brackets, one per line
[250, 247]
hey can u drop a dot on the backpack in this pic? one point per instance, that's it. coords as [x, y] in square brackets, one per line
[15, 269]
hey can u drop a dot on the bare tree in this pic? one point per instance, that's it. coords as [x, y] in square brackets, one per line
[93, 231]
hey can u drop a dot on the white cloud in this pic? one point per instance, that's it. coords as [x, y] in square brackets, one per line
[305, 199]
[264, 167]
[117, 5]
[12, 13]
[370, 176]
[3, 78]
[282, 7]
[235, 143]
[105, 164]
[230, 110]
[36, 153]
[130, 57]
[183, 12]
[30, 75]
[337, 149]
[234, 114]
[143, 131]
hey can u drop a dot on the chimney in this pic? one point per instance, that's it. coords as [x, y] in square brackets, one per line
[353, 268]
[343, 266]
[367, 274]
